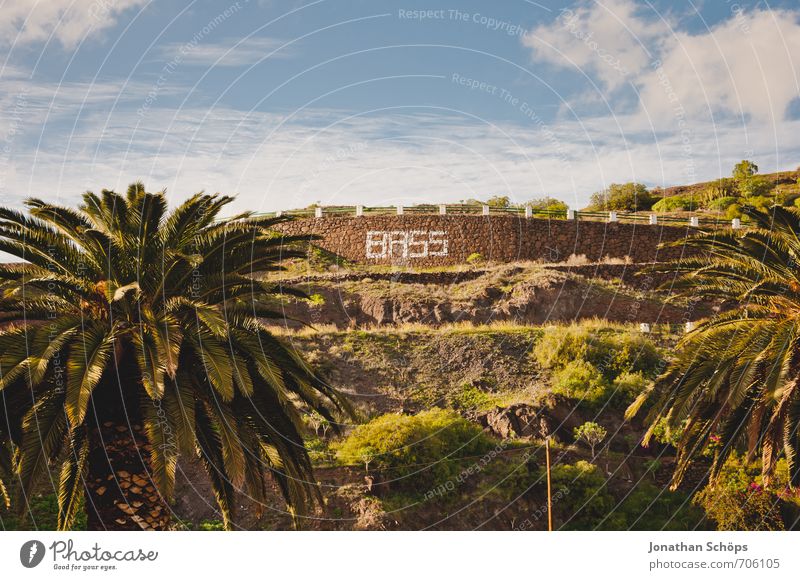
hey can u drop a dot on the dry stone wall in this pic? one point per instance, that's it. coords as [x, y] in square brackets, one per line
[440, 240]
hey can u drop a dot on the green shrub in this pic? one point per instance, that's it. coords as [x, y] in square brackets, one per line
[627, 386]
[722, 203]
[548, 204]
[622, 196]
[611, 351]
[759, 202]
[675, 203]
[665, 434]
[737, 501]
[475, 258]
[417, 451]
[585, 501]
[650, 508]
[579, 379]
[733, 211]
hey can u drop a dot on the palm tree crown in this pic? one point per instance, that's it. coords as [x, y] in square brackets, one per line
[735, 376]
[132, 335]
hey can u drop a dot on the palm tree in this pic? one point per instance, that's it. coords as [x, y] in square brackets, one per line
[131, 336]
[735, 376]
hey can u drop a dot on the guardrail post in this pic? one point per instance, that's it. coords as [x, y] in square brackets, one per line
[278, 213]
[570, 214]
[359, 210]
[399, 210]
[689, 326]
[653, 219]
[694, 222]
[442, 209]
[485, 210]
[318, 212]
[736, 223]
[644, 327]
[528, 211]
[612, 216]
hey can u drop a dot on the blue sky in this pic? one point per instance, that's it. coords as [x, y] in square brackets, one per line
[286, 103]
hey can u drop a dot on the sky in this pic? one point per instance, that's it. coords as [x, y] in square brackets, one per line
[287, 103]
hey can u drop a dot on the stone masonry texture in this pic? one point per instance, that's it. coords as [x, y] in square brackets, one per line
[442, 240]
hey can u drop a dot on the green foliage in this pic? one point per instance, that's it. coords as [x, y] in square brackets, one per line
[624, 197]
[627, 386]
[416, 451]
[581, 380]
[734, 378]
[587, 500]
[744, 170]
[43, 515]
[736, 501]
[650, 508]
[760, 202]
[124, 301]
[316, 300]
[612, 352]
[591, 433]
[475, 259]
[675, 203]
[547, 204]
[721, 188]
[499, 201]
[734, 211]
[722, 203]
[469, 398]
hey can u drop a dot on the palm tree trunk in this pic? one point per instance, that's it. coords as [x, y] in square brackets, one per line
[120, 494]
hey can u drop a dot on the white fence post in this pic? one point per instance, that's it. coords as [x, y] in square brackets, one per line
[359, 210]
[694, 222]
[570, 214]
[318, 212]
[644, 327]
[653, 219]
[689, 326]
[485, 210]
[612, 216]
[278, 213]
[442, 209]
[528, 211]
[736, 223]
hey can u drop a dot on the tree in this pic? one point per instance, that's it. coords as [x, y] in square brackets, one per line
[132, 335]
[624, 197]
[735, 375]
[548, 204]
[591, 433]
[744, 170]
[499, 201]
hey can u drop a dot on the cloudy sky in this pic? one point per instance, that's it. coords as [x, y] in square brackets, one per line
[288, 102]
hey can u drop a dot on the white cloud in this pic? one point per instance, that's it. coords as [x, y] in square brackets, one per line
[745, 66]
[68, 21]
[228, 53]
[274, 162]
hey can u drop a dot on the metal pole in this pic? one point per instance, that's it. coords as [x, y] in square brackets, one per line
[549, 495]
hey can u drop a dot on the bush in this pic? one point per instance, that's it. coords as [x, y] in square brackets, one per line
[651, 508]
[547, 204]
[612, 352]
[759, 202]
[667, 435]
[624, 197]
[580, 380]
[417, 451]
[675, 203]
[733, 211]
[627, 386]
[585, 501]
[736, 501]
[722, 203]
[475, 259]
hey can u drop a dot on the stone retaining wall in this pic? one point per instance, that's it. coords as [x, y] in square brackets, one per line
[437, 240]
